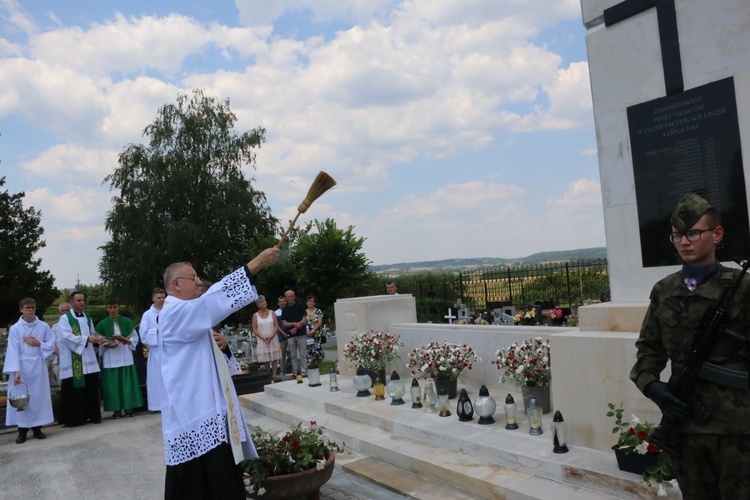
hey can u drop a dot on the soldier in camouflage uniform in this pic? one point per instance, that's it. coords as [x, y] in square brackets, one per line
[715, 460]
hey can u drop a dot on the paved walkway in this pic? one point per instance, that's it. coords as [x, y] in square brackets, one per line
[117, 459]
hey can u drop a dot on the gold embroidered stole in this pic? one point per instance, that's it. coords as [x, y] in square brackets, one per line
[226, 383]
[77, 360]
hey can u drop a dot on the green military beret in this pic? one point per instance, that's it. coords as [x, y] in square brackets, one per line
[688, 211]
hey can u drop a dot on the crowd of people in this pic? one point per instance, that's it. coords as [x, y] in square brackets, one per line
[188, 374]
[291, 329]
[205, 435]
[79, 350]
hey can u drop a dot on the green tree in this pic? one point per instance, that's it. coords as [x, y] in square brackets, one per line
[330, 264]
[20, 239]
[283, 275]
[96, 295]
[183, 197]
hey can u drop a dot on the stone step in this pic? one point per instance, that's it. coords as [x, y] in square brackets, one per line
[484, 461]
[401, 481]
[467, 475]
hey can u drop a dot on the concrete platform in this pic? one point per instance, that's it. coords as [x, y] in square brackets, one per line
[422, 455]
[124, 459]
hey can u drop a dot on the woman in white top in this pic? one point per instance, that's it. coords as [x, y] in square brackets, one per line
[265, 327]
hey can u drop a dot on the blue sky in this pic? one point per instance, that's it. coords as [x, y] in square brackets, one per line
[454, 128]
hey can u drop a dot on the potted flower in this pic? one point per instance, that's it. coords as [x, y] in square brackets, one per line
[635, 454]
[571, 320]
[525, 317]
[479, 320]
[528, 365]
[554, 316]
[442, 363]
[293, 463]
[372, 351]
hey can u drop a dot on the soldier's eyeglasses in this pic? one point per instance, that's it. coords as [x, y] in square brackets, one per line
[692, 235]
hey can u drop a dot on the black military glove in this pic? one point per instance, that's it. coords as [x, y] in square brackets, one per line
[670, 405]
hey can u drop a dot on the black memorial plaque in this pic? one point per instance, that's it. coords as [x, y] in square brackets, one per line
[688, 143]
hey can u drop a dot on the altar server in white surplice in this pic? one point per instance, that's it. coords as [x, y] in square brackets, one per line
[205, 436]
[30, 341]
[149, 336]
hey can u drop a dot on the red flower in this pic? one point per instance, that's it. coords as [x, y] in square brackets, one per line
[642, 435]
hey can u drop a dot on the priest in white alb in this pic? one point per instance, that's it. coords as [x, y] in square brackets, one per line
[79, 368]
[30, 342]
[205, 436]
[148, 331]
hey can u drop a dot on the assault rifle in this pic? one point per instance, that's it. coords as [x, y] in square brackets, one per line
[681, 384]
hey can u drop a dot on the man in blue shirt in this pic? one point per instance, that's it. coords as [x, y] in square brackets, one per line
[293, 319]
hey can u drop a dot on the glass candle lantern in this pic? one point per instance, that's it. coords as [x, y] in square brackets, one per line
[559, 434]
[510, 408]
[485, 406]
[430, 396]
[534, 412]
[362, 383]
[379, 389]
[416, 394]
[313, 375]
[443, 404]
[333, 381]
[395, 389]
[464, 408]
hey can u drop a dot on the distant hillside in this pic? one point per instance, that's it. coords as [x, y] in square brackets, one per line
[458, 265]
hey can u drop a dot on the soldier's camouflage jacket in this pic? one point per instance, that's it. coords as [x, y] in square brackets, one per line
[670, 324]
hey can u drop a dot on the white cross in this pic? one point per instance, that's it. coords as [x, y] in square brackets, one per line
[450, 317]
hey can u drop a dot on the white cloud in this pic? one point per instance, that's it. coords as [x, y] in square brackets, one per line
[78, 205]
[15, 19]
[72, 254]
[78, 234]
[581, 193]
[382, 83]
[476, 12]
[440, 224]
[124, 45]
[452, 198]
[133, 104]
[398, 86]
[244, 41]
[9, 49]
[570, 99]
[479, 219]
[53, 98]
[75, 165]
[254, 12]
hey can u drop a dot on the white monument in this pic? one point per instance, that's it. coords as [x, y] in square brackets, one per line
[647, 49]
[632, 61]
[640, 51]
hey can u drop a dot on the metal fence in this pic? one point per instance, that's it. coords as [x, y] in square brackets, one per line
[561, 283]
